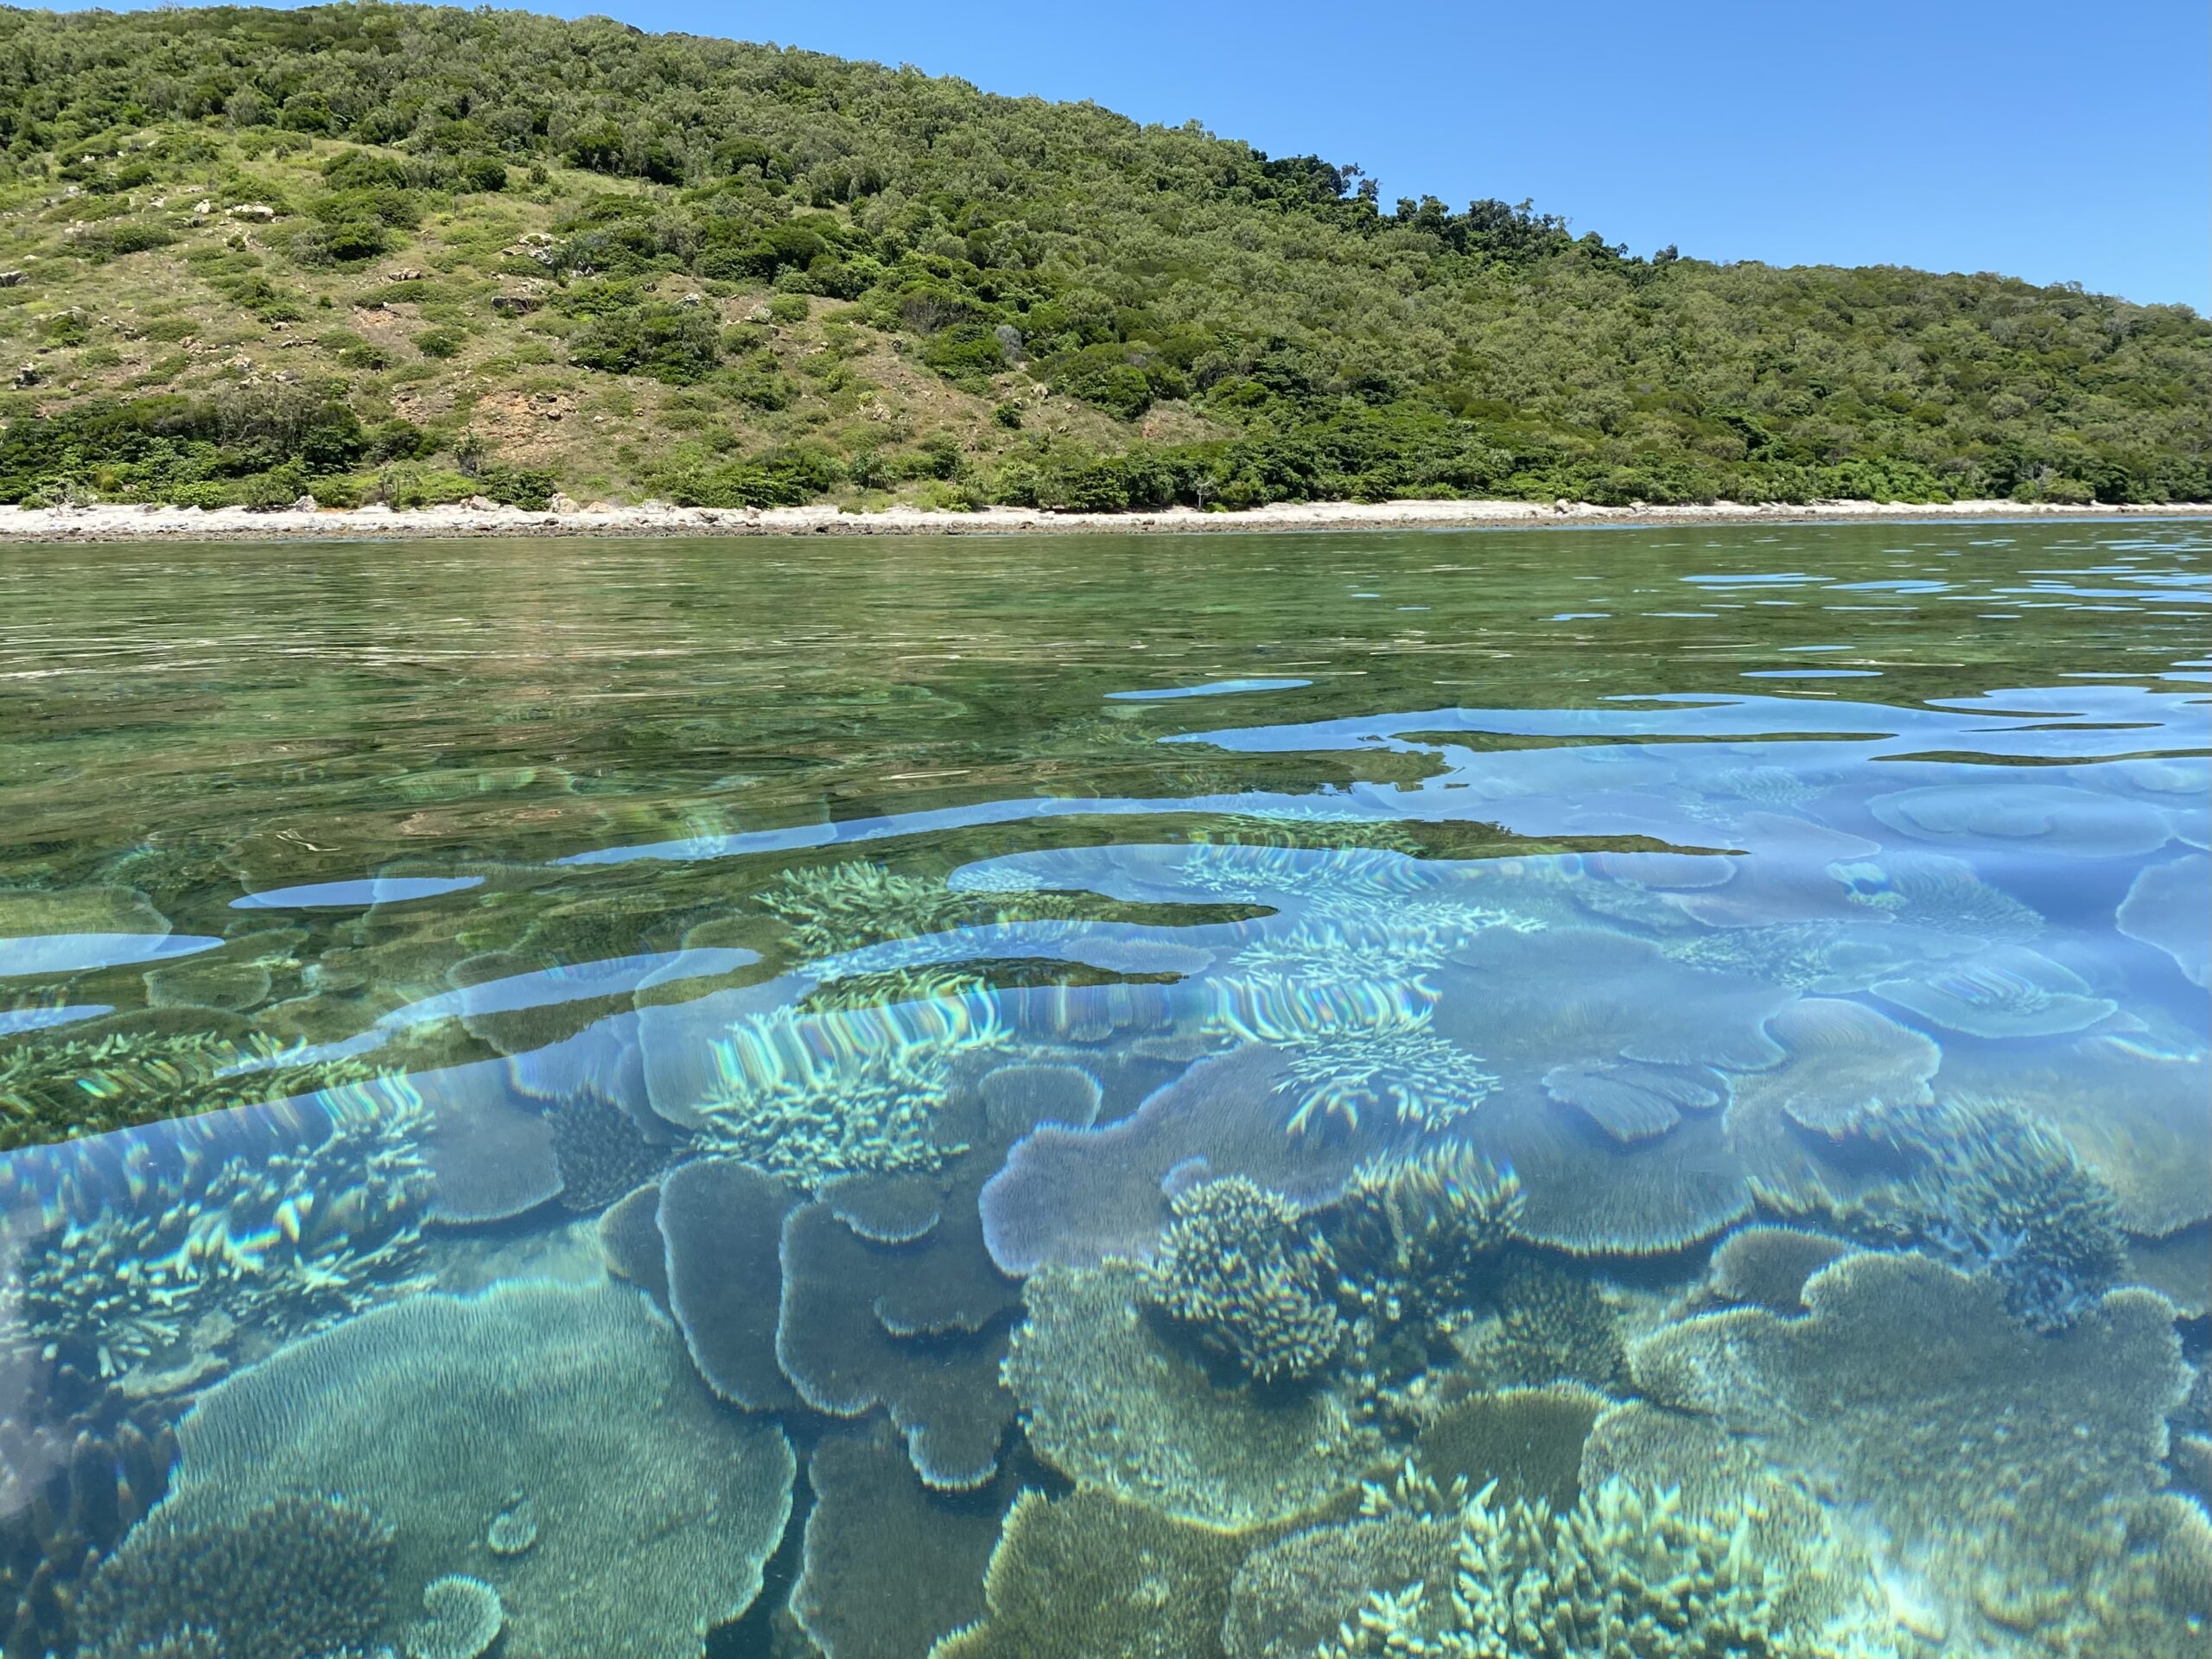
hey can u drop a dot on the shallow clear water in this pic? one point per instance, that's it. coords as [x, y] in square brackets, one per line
[742, 1085]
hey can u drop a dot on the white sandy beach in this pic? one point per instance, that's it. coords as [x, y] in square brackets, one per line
[119, 523]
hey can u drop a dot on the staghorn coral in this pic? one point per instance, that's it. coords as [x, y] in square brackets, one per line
[64, 1510]
[1396, 1069]
[2007, 1471]
[1094, 1576]
[120, 1073]
[807, 1097]
[657, 1508]
[245, 1227]
[462, 1616]
[284, 1576]
[1236, 1268]
[1995, 1192]
[1110, 1403]
[1625, 1571]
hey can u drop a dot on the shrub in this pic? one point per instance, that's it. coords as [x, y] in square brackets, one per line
[679, 344]
[443, 341]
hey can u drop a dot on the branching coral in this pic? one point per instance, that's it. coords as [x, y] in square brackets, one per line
[263, 1232]
[1624, 1573]
[812, 1095]
[60, 1089]
[1997, 1193]
[1397, 1069]
[1237, 1267]
[275, 1579]
[836, 907]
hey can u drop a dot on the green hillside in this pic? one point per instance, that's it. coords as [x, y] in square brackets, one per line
[392, 252]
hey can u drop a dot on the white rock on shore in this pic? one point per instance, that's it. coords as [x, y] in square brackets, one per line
[478, 517]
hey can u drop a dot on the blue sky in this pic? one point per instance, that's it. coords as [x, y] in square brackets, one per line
[2054, 142]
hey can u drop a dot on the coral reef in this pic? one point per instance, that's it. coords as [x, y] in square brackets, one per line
[126, 1070]
[274, 1226]
[657, 1508]
[630, 1238]
[1929, 890]
[941, 1388]
[1552, 1325]
[1109, 1402]
[1413, 1238]
[889, 1565]
[1431, 1571]
[63, 1509]
[1589, 1192]
[2166, 909]
[489, 1149]
[1236, 1268]
[1993, 1190]
[462, 1616]
[2006, 991]
[1094, 1576]
[1845, 1060]
[1078, 1196]
[1396, 1069]
[2011, 1468]
[807, 1097]
[601, 1152]
[2047, 820]
[828, 909]
[513, 1530]
[1767, 1266]
[721, 1226]
[1523, 1442]
[278, 1579]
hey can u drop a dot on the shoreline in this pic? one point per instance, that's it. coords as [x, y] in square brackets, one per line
[122, 523]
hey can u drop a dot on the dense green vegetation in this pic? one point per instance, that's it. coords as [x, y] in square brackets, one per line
[393, 252]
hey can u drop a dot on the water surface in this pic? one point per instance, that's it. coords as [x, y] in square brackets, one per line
[646, 1099]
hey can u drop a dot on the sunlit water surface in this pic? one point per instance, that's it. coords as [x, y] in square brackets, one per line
[1559, 1093]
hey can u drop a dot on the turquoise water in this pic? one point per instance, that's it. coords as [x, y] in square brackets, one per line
[1558, 1093]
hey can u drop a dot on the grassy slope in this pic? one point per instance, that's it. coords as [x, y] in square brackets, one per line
[1194, 323]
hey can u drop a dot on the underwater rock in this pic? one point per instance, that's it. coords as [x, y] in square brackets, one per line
[1844, 1060]
[2006, 1463]
[1077, 1196]
[1999, 1194]
[2004, 992]
[1591, 1193]
[1526, 1442]
[723, 1225]
[630, 1238]
[2044, 820]
[244, 1226]
[1094, 1576]
[890, 1566]
[2138, 1115]
[601, 1152]
[491, 1151]
[1236, 1268]
[656, 1508]
[2165, 908]
[462, 1616]
[942, 1388]
[1110, 1402]
[1767, 1266]
[273, 1580]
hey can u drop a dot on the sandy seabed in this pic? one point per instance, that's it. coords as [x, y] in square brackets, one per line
[128, 523]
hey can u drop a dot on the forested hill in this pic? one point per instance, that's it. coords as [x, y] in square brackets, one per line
[378, 252]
